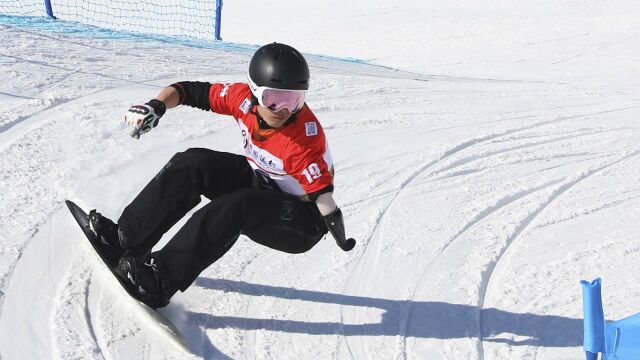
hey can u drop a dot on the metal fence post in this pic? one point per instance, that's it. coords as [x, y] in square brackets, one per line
[218, 18]
[47, 4]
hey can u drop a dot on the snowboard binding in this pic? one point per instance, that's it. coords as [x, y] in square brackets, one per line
[143, 279]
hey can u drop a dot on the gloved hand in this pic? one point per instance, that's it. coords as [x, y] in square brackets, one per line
[142, 118]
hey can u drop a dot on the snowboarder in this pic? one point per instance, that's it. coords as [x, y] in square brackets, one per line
[279, 193]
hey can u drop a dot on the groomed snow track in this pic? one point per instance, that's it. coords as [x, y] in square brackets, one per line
[454, 187]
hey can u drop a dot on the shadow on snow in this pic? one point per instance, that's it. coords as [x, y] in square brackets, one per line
[437, 320]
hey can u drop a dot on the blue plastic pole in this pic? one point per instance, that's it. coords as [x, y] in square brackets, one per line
[594, 325]
[218, 18]
[47, 4]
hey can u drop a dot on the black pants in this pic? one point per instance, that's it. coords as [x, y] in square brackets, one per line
[274, 219]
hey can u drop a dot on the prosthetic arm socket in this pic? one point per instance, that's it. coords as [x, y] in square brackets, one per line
[335, 223]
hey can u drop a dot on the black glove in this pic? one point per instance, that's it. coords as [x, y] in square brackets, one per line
[142, 118]
[335, 223]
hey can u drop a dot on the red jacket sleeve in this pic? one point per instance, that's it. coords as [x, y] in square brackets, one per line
[230, 99]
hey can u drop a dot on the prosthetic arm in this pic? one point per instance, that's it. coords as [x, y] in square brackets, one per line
[333, 218]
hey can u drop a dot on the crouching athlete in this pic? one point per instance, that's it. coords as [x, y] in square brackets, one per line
[279, 193]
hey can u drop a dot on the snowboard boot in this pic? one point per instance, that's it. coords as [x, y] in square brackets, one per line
[108, 233]
[145, 279]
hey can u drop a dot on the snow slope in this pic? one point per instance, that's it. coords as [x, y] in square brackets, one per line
[485, 167]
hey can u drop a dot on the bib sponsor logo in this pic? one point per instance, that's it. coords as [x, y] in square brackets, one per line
[262, 157]
[245, 141]
[245, 106]
[311, 128]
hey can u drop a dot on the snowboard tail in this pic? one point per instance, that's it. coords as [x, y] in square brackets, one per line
[111, 261]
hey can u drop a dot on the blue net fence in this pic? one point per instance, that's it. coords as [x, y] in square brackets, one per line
[198, 19]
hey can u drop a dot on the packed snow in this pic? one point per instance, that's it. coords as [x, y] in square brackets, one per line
[487, 159]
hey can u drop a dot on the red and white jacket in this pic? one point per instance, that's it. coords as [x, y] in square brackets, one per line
[295, 157]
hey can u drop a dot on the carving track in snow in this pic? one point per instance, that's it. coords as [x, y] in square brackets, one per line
[438, 177]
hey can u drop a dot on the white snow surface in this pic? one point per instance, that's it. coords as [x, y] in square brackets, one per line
[487, 159]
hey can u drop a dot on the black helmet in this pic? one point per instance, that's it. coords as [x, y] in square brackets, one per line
[278, 66]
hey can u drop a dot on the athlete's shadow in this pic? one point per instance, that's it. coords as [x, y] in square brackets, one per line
[437, 320]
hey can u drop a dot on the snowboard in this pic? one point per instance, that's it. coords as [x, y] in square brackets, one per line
[101, 249]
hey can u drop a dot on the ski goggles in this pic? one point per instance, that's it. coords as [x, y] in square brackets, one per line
[278, 99]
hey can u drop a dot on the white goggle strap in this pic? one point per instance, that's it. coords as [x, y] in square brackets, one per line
[256, 90]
